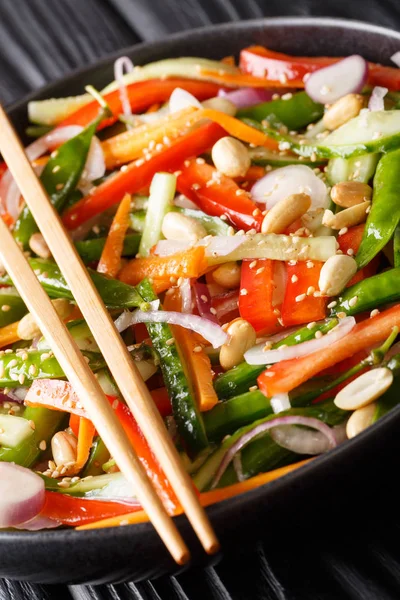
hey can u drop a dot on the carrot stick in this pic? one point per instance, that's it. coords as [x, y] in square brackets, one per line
[85, 439]
[110, 260]
[9, 334]
[206, 498]
[239, 129]
[288, 374]
[240, 80]
[196, 360]
[191, 263]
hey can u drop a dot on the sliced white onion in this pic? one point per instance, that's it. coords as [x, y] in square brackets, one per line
[265, 426]
[10, 196]
[181, 99]
[376, 100]
[293, 179]
[280, 402]
[184, 202]
[218, 245]
[257, 356]
[396, 58]
[301, 441]
[121, 65]
[59, 135]
[186, 295]
[95, 165]
[206, 328]
[245, 97]
[125, 318]
[331, 83]
[169, 247]
[38, 523]
[22, 494]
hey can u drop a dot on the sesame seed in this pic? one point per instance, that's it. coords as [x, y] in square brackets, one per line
[332, 304]
[311, 325]
[317, 294]
[309, 264]
[187, 163]
[170, 341]
[59, 186]
[253, 264]
[8, 351]
[196, 186]
[341, 315]
[253, 388]
[353, 301]
[343, 230]
[374, 313]
[243, 292]
[240, 192]
[115, 404]
[276, 311]
[269, 373]
[32, 424]
[240, 232]
[54, 154]
[124, 522]
[294, 278]
[21, 378]
[223, 218]
[256, 212]
[267, 347]
[6, 307]
[287, 96]
[63, 484]
[350, 251]
[260, 270]
[292, 263]
[42, 445]
[310, 290]
[139, 162]
[318, 335]
[197, 349]
[213, 311]
[300, 297]
[56, 169]
[12, 363]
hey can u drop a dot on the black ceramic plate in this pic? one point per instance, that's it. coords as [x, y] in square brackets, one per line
[283, 507]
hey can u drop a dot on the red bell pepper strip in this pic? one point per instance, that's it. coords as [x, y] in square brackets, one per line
[69, 510]
[226, 306]
[139, 174]
[288, 374]
[277, 67]
[141, 95]
[218, 195]
[350, 241]
[256, 296]
[162, 401]
[302, 280]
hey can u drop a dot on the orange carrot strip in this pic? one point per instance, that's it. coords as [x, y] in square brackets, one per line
[153, 108]
[254, 172]
[110, 260]
[9, 334]
[191, 263]
[129, 145]
[206, 498]
[85, 439]
[239, 129]
[196, 360]
[288, 374]
[241, 80]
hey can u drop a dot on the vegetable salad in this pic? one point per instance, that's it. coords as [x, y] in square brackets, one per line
[241, 224]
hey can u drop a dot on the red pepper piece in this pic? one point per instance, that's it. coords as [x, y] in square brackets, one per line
[297, 309]
[256, 296]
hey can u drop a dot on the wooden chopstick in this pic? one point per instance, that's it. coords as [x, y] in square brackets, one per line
[115, 353]
[88, 389]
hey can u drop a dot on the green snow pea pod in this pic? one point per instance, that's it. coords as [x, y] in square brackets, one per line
[90, 250]
[295, 113]
[59, 178]
[385, 210]
[114, 293]
[370, 293]
[12, 307]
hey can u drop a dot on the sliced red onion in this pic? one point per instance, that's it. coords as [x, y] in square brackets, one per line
[280, 281]
[18, 394]
[22, 494]
[10, 196]
[331, 83]
[301, 441]
[184, 202]
[203, 301]
[247, 437]
[122, 64]
[257, 355]
[186, 295]
[245, 97]
[293, 179]
[237, 465]
[181, 99]
[376, 100]
[225, 304]
[396, 58]
[206, 328]
[280, 402]
[38, 523]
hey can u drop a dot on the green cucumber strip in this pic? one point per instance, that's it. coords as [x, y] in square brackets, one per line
[162, 192]
[262, 156]
[14, 430]
[358, 168]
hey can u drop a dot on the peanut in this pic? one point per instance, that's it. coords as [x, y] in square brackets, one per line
[177, 226]
[241, 337]
[231, 157]
[285, 212]
[343, 110]
[222, 104]
[360, 420]
[28, 328]
[336, 273]
[365, 389]
[64, 449]
[227, 275]
[348, 217]
[351, 193]
[38, 245]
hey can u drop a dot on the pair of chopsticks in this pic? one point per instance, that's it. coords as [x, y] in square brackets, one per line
[113, 349]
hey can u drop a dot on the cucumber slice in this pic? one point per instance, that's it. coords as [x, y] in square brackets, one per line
[54, 110]
[262, 156]
[14, 431]
[106, 383]
[359, 168]
[81, 334]
[109, 485]
[162, 192]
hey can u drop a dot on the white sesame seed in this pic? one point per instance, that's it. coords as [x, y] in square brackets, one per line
[311, 325]
[318, 335]
[332, 304]
[170, 341]
[43, 445]
[343, 230]
[341, 315]
[294, 278]
[197, 349]
[300, 297]
[350, 251]
[310, 290]
[374, 313]
[6, 307]
[243, 292]
[353, 301]
[309, 264]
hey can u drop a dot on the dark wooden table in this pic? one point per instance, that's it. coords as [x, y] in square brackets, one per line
[41, 40]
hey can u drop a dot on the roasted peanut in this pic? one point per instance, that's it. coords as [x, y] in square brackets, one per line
[64, 449]
[28, 328]
[350, 193]
[227, 275]
[336, 273]
[177, 226]
[365, 389]
[348, 217]
[38, 245]
[343, 110]
[285, 212]
[241, 337]
[222, 105]
[360, 420]
[231, 157]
